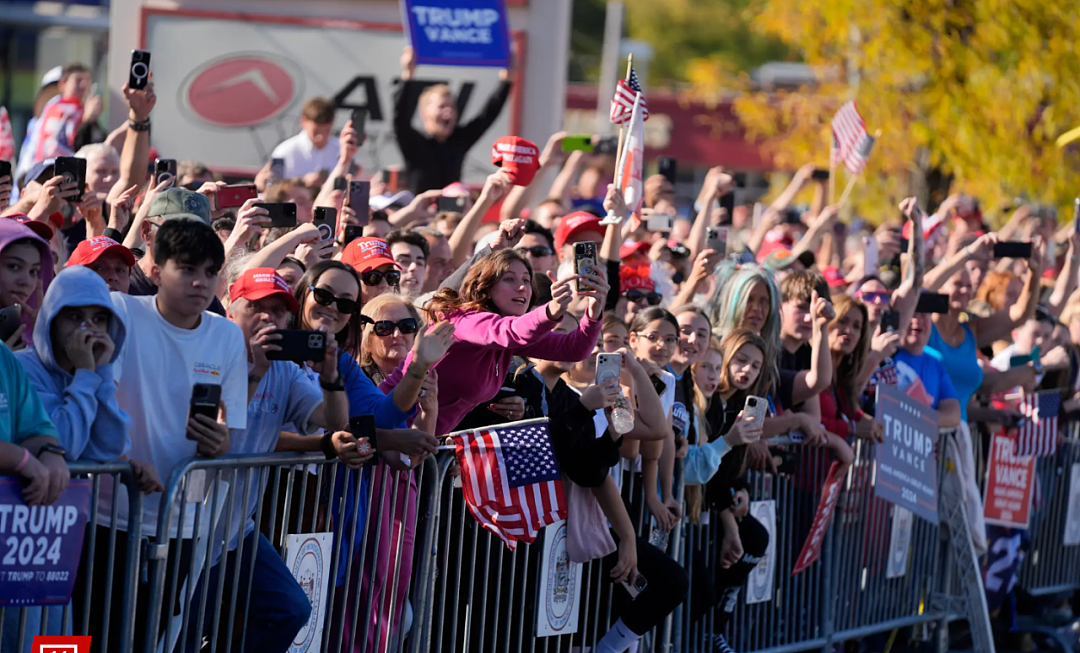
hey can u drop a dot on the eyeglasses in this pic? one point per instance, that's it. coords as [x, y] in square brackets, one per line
[654, 337]
[653, 298]
[374, 277]
[326, 298]
[876, 296]
[537, 251]
[384, 328]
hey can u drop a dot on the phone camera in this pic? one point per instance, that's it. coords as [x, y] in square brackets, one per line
[751, 402]
[315, 340]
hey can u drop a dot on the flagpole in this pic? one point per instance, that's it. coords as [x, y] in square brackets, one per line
[620, 162]
[622, 127]
[854, 178]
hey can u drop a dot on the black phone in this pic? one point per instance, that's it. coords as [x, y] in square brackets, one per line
[277, 169]
[932, 302]
[791, 216]
[10, 319]
[363, 426]
[282, 214]
[139, 74]
[607, 145]
[205, 398]
[72, 170]
[341, 183]
[359, 200]
[1012, 249]
[668, 167]
[505, 392]
[350, 234]
[5, 169]
[451, 204]
[359, 123]
[658, 385]
[820, 174]
[904, 244]
[299, 346]
[890, 320]
[584, 259]
[325, 218]
[164, 168]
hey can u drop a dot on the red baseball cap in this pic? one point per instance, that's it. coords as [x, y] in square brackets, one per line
[38, 227]
[574, 224]
[94, 248]
[635, 277]
[632, 247]
[366, 254]
[518, 157]
[259, 283]
[833, 276]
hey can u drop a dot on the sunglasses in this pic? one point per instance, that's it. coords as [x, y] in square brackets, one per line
[653, 298]
[386, 328]
[374, 277]
[537, 251]
[326, 298]
[876, 297]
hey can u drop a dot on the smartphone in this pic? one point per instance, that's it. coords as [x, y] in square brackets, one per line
[359, 123]
[904, 245]
[668, 167]
[660, 222]
[716, 239]
[277, 169]
[755, 407]
[608, 366]
[299, 346]
[584, 259]
[205, 398]
[281, 214]
[1012, 249]
[578, 143]
[359, 194]
[73, 170]
[932, 302]
[821, 174]
[164, 169]
[870, 255]
[791, 216]
[452, 204]
[5, 169]
[363, 426]
[139, 74]
[341, 183]
[325, 218]
[890, 320]
[636, 587]
[231, 197]
[10, 319]
[504, 392]
[607, 145]
[350, 234]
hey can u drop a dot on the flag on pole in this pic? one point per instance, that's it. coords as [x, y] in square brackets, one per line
[858, 156]
[628, 174]
[7, 139]
[510, 479]
[850, 137]
[1038, 433]
[622, 105]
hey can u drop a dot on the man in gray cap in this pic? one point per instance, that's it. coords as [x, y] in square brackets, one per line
[172, 204]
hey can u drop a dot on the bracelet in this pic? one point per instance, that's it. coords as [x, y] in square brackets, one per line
[327, 446]
[139, 125]
[336, 386]
[418, 377]
[22, 463]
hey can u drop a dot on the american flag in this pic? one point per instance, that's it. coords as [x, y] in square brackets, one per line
[622, 105]
[510, 479]
[851, 142]
[7, 139]
[1038, 434]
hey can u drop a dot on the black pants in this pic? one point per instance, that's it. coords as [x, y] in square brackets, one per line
[724, 589]
[667, 584]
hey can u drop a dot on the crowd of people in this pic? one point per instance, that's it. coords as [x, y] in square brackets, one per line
[133, 288]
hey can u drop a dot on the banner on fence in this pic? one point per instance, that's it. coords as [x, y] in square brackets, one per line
[40, 546]
[308, 557]
[811, 549]
[560, 585]
[459, 32]
[759, 587]
[1072, 514]
[906, 468]
[899, 542]
[1010, 484]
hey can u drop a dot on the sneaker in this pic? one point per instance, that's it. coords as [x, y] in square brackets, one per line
[720, 645]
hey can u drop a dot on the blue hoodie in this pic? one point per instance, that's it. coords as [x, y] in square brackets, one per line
[83, 406]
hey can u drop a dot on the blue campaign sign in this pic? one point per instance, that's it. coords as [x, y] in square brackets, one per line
[906, 467]
[459, 32]
[40, 546]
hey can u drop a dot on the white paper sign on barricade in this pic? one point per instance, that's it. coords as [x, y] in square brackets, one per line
[560, 586]
[899, 542]
[1072, 515]
[308, 557]
[759, 587]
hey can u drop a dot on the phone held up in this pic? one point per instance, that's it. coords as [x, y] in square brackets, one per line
[73, 170]
[584, 260]
[1012, 249]
[205, 398]
[755, 407]
[299, 346]
[325, 218]
[164, 169]
[281, 214]
[608, 366]
[362, 428]
[139, 73]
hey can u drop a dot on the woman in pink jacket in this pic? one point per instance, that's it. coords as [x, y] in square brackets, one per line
[493, 323]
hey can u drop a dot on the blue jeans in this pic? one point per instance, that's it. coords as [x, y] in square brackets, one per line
[276, 606]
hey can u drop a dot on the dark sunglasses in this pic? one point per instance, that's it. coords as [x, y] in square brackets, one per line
[374, 277]
[386, 328]
[326, 298]
[537, 251]
[875, 296]
[653, 298]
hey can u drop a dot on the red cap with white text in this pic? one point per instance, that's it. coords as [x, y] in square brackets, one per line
[366, 254]
[94, 248]
[518, 157]
[259, 283]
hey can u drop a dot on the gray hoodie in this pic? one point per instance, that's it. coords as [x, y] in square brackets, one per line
[83, 406]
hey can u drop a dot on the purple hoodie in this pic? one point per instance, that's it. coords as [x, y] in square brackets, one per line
[475, 367]
[10, 231]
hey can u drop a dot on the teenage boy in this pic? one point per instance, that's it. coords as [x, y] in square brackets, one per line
[796, 322]
[312, 149]
[409, 249]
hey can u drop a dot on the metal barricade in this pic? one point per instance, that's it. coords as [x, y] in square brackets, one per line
[217, 575]
[105, 592]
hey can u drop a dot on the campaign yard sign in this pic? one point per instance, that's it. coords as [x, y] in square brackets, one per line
[1010, 483]
[40, 546]
[459, 32]
[830, 494]
[905, 465]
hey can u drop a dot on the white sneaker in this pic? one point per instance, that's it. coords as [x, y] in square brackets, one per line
[720, 645]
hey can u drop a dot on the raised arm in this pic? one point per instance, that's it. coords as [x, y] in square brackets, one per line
[906, 296]
[819, 377]
[471, 131]
[521, 196]
[717, 183]
[564, 181]
[820, 225]
[937, 276]
[461, 241]
[1066, 281]
[135, 157]
[998, 326]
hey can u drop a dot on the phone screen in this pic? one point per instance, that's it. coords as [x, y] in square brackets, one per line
[1012, 249]
[577, 143]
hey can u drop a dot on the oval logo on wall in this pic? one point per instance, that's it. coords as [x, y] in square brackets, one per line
[241, 90]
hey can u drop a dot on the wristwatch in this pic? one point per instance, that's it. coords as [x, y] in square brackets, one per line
[52, 448]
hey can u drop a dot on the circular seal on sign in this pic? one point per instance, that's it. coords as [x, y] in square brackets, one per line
[758, 585]
[241, 89]
[561, 583]
[307, 569]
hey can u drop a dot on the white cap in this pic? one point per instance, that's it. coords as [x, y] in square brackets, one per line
[52, 77]
[381, 202]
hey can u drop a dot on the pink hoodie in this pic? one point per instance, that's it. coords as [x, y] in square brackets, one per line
[474, 369]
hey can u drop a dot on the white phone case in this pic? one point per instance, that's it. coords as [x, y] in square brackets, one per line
[608, 366]
[757, 411]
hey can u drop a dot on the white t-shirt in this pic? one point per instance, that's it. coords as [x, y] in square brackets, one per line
[154, 389]
[301, 157]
